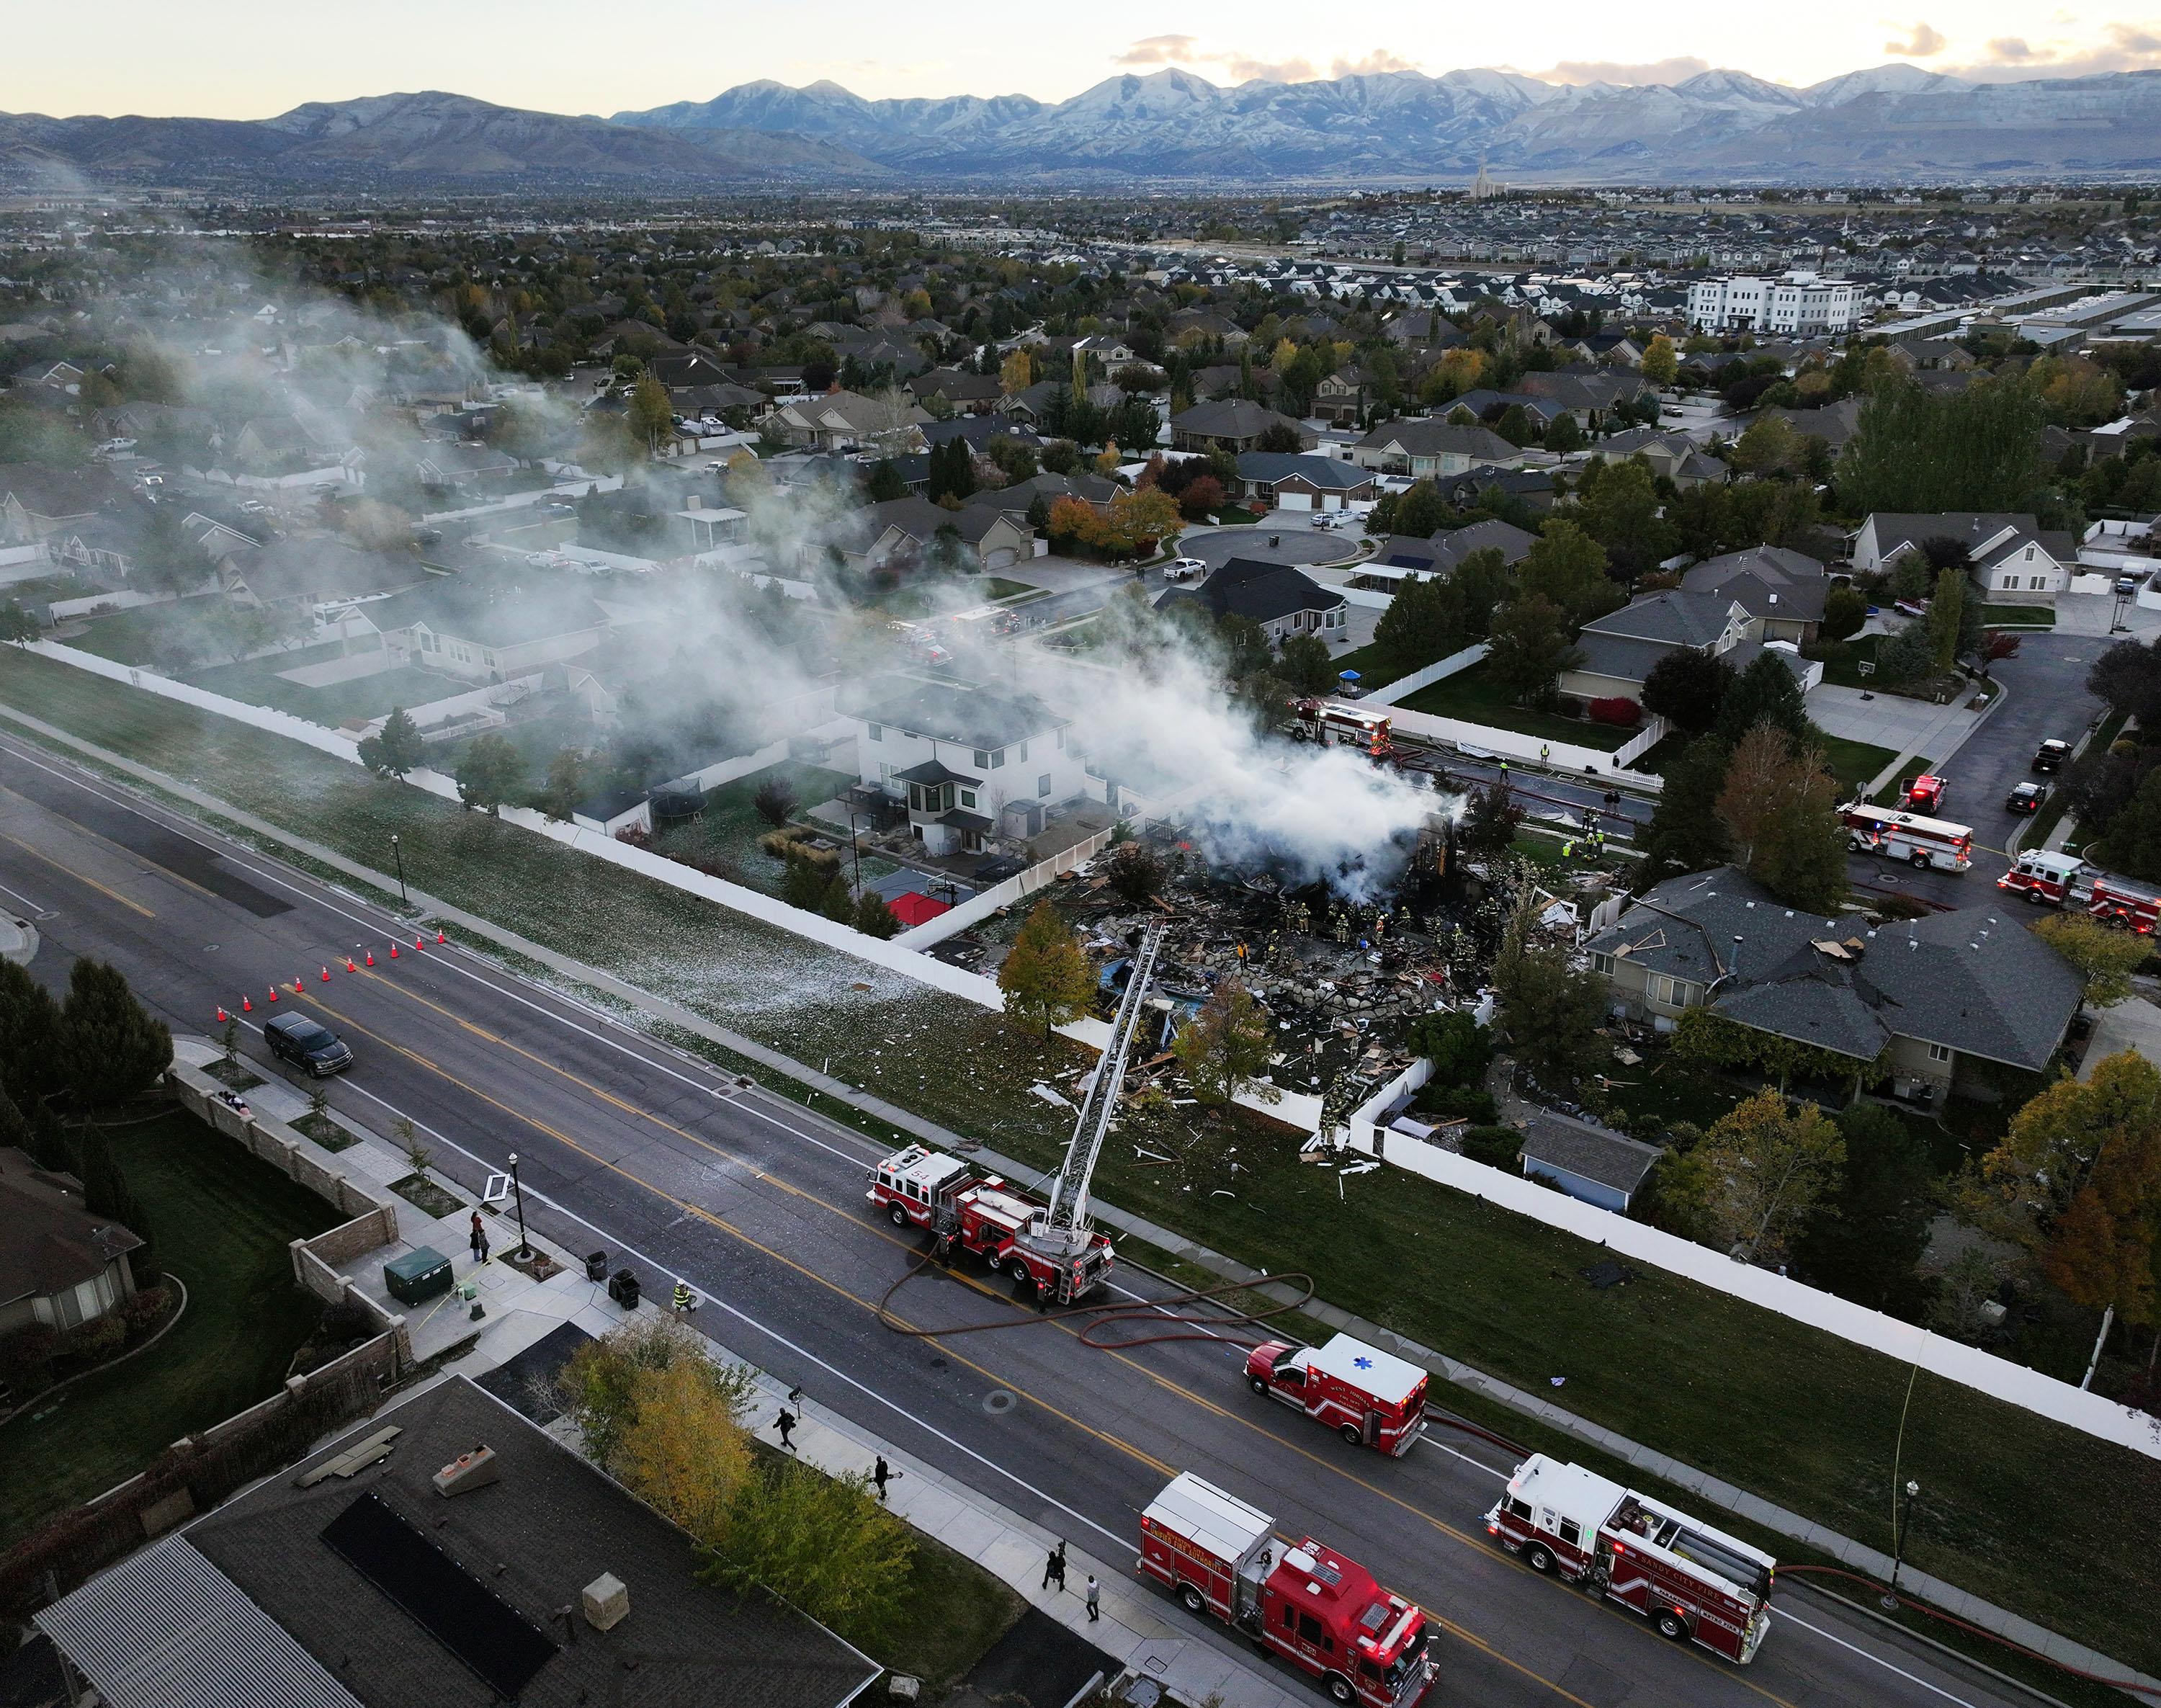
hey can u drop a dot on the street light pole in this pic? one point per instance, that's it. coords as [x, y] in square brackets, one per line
[1890, 1597]
[856, 846]
[397, 854]
[524, 1245]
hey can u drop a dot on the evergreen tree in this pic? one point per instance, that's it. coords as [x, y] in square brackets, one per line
[15, 1130]
[1866, 1247]
[398, 749]
[1686, 688]
[1486, 581]
[490, 772]
[1765, 692]
[29, 1036]
[1424, 624]
[2132, 842]
[875, 917]
[1916, 451]
[1527, 650]
[106, 1194]
[1946, 610]
[1515, 425]
[1622, 511]
[805, 885]
[109, 1048]
[1685, 834]
[838, 902]
[885, 482]
[1046, 975]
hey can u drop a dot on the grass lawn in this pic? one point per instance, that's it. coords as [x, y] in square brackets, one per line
[1472, 697]
[729, 830]
[2018, 616]
[1236, 512]
[952, 1612]
[257, 682]
[2015, 1511]
[1663, 1091]
[1841, 660]
[222, 1219]
[131, 637]
[997, 587]
[1856, 763]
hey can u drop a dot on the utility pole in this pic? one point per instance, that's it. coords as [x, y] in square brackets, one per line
[524, 1245]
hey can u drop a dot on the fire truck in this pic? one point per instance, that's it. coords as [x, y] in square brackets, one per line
[1319, 1612]
[1908, 836]
[1695, 1584]
[2047, 879]
[1050, 1248]
[1926, 794]
[1333, 724]
[1367, 1396]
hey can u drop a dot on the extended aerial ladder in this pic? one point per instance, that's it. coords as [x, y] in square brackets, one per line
[1066, 1256]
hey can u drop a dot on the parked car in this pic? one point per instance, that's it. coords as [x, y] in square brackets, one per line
[114, 446]
[2052, 755]
[2128, 584]
[2026, 797]
[1184, 569]
[307, 1043]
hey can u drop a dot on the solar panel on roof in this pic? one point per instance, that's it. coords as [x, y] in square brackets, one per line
[500, 1645]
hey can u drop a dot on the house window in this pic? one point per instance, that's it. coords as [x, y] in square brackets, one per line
[1602, 963]
[1042, 787]
[1939, 1052]
[885, 776]
[967, 796]
[997, 759]
[1061, 738]
[878, 731]
[982, 760]
[1673, 992]
[1021, 752]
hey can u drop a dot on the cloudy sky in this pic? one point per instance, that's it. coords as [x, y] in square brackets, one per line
[250, 58]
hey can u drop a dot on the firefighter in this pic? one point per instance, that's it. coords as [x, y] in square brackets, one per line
[685, 1301]
[1568, 850]
[1545, 754]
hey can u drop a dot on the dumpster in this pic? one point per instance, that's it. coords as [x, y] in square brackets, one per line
[418, 1276]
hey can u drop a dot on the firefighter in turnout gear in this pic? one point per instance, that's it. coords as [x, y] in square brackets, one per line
[685, 1300]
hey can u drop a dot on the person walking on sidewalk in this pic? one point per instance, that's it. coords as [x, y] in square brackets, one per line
[785, 1423]
[882, 1473]
[1054, 1568]
[1095, 1597]
[479, 1239]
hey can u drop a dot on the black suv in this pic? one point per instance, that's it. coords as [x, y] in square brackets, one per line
[2026, 797]
[2052, 756]
[308, 1043]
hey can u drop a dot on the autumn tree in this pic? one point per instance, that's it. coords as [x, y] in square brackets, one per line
[1769, 446]
[1777, 806]
[1662, 363]
[1225, 1048]
[1567, 567]
[2105, 959]
[650, 415]
[684, 1450]
[825, 1544]
[1757, 1180]
[1046, 975]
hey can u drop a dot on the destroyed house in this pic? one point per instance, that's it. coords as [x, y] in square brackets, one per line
[1926, 995]
[970, 764]
[383, 1572]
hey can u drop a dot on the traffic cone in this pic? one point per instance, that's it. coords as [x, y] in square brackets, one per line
[222, 1017]
[394, 951]
[417, 944]
[371, 957]
[247, 1006]
[349, 966]
[438, 936]
[299, 978]
[273, 993]
[327, 975]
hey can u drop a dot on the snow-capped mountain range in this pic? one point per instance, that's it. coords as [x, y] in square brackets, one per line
[1893, 123]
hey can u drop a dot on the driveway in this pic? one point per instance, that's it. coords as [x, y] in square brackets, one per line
[1287, 537]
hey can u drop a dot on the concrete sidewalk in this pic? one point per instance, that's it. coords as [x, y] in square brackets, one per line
[1140, 1629]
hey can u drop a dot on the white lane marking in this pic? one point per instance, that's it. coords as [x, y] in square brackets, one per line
[41, 912]
[1791, 1619]
[777, 1337]
[1476, 1464]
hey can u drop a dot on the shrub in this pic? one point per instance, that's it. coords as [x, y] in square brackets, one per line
[1471, 1103]
[775, 801]
[93, 1340]
[143, 1307]
[26, 1351]
[1497, 1147]
[1622, 712]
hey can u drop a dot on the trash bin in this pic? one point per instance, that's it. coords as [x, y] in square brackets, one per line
[622, 1288]
[418, 1276]
[597, 1266]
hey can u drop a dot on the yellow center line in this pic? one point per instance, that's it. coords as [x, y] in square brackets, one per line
[79, 877]
[856, 1220]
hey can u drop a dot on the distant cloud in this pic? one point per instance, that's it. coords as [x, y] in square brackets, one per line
[2124, 47]
[1675, 71]
[1926, 44]
[1244, 67]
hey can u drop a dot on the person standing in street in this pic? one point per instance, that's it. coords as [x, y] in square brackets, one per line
[1095, 1597]
[785, 1422]
[685, 1301]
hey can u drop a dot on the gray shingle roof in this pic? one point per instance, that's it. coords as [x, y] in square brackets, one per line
[1676, 617]
[1754, 575]
[1607, 1157]
[1261, 592]
[971, 717]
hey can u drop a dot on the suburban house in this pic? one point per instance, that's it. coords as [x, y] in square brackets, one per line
[486, 628]
[1401, 555]
[970, 763]
[902, 533]
[970, 394]
[1593, 1165]
[1675, 456]
[2010, 558]
[441, 464]
[1233, 424]
[1297, 481]
[36, 501]
[390, 1587]
[1620, 649]
[59, 1265]
[1453, 545]
[307, 572]
[1283, 601]
[1341, 398]
[1937, 994]
[1426, 445]
[1783, 590]
[847, 421]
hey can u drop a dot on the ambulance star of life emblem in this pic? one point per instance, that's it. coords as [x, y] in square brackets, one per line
[1363, 1363]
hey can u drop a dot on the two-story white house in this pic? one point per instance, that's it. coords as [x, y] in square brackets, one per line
[970, 764]
[1421, 446]
[2010, 558]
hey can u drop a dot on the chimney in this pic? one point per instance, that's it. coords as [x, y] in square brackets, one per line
[606, 1601]
[467, 1473]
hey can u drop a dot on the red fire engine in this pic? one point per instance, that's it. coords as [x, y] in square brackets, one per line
[1926, 794]
[1367, 1396]
[1908, 836]
[2064, 880]
[1049, 1246]
[1308, 1604]
[1694, 1583]
[1334, 724]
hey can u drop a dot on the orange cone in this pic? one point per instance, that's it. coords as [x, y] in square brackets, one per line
[438, 936]
[394, 951]
[417, 944]
[371, 957]
[273, 993]
[298, 979]
[247, 1006]
[327, 975]
[349, 966]
[222, 1015]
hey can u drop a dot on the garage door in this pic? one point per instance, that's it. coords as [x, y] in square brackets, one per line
[1002, 559]
[1294, 501]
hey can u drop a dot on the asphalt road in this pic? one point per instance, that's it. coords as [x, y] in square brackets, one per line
[759, 1205]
